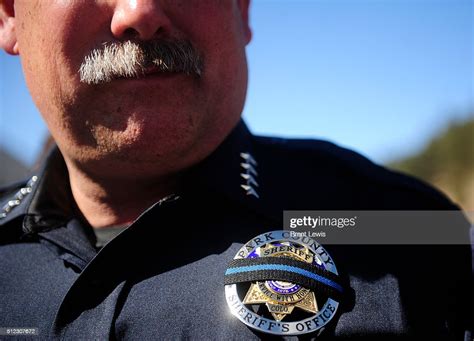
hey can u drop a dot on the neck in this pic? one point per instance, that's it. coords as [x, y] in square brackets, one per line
[106, 201]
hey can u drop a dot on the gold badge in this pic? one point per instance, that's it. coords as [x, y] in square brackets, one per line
[282, 297]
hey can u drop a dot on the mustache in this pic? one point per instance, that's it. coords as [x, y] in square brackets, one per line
[131, 59]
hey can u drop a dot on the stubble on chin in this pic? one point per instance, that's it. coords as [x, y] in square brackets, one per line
[110, 141]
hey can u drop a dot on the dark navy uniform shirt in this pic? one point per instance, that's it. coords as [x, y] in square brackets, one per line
[162, 277]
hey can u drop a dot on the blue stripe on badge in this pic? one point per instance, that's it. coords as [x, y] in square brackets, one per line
[287, 268]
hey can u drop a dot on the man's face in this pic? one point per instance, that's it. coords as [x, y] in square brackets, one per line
[168, 121]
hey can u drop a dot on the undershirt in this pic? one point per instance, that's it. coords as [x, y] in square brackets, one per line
[106, 234]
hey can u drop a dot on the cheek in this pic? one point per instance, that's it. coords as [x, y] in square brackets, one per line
[86, 26]
[214, 27]
[53, 37]
[61, 32]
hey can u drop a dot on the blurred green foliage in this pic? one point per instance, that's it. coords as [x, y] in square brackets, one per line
[447, 162]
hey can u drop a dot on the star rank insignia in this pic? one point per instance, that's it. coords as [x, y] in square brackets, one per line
[249, 174]
[283, 284]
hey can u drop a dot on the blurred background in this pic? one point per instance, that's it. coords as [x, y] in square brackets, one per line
[391, 79]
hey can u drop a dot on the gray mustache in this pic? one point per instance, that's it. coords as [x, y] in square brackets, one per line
[131, 59]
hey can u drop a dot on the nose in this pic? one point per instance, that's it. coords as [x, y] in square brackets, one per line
[139, 19]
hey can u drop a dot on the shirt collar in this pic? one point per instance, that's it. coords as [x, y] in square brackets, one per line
[44, 201]
[233, 171]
